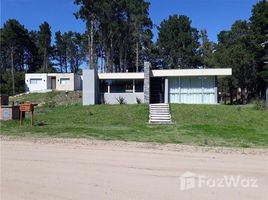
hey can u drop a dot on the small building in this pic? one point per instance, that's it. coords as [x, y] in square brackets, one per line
[44, 82]
[189, 86]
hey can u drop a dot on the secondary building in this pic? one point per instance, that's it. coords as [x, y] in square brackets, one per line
[43, 82]
[190, 86]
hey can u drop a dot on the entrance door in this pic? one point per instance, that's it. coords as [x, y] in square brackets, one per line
[53, 83]
[157, 90]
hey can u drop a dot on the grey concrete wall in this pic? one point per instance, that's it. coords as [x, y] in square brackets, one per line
[77, 82]
[90, 91]
[147, 66]
[130, 98]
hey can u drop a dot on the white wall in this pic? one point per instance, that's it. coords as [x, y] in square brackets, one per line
[41, 86]
[65, 87]
[192, 90]
[129, 98]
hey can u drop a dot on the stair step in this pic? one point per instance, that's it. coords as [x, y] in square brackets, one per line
[160, 121]
[159, 113]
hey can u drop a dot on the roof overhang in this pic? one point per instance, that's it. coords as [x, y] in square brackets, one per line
[192, 72]
[167, 73]
[124, 75]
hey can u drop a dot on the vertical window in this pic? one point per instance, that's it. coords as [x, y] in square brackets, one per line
[104, 86]
[139, 85]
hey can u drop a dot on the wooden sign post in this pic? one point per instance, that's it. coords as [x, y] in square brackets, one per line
[27, 107]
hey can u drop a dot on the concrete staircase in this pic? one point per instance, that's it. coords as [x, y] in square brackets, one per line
[159, 114]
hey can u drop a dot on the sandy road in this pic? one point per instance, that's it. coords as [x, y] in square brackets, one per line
[118, 170]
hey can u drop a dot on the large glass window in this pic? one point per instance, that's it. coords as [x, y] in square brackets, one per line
[139, 85]
[35, 80]
[104, 86]
[121, 86]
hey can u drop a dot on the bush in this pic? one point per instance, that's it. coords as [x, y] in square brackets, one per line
[259, 105]
[121, 100]
[138, 100]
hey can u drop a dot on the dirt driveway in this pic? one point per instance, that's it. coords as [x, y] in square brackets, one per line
[84, 169]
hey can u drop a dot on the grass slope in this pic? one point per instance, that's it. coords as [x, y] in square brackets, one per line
[208, 125]
[51, 98]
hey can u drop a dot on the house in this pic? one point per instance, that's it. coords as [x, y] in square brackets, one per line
[43, 82]
[190, 86]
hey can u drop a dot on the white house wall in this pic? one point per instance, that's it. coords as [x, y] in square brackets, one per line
[193, 90]
[41, 86]
[65, 87]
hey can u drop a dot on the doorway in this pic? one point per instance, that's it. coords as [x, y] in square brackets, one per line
[157, 90]
[53, 83]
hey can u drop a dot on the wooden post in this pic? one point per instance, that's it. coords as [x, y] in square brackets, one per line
[32, 118]
[20, 118]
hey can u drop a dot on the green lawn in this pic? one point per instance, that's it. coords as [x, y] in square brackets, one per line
[207, 125]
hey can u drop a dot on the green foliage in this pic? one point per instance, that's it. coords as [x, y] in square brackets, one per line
[6, 82]
[121, 30]
[207, 49]
[44, 42]
[178, 42]
[259, 104]
[121, 100]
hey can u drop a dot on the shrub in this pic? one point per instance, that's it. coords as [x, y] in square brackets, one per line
[138, 100]
[259, 105]
[121, 100]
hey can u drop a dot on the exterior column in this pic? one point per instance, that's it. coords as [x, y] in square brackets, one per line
[166, 90]
[146, 84]
[216, 89]
[90, 87]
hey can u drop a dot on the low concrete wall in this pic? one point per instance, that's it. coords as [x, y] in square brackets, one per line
[129, 98]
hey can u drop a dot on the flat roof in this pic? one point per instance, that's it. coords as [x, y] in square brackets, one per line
[192, 72]
[121, 75]
[167, 73]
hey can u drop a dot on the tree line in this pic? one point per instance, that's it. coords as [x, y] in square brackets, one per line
[118, 38]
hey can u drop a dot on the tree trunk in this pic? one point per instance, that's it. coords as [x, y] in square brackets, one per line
[44, 61]
[12, 70]
[231, 94]
[111, 56]
[120, 61]
[125, 61]
[107, 60]
[65, 62]
[137, 56]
